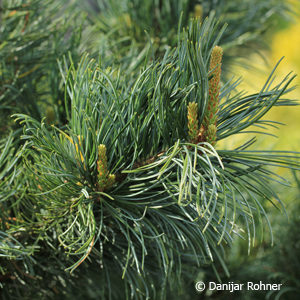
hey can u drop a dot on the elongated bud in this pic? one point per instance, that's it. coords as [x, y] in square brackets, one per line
[102, 167]
[210, 117]
[193, 123]
[105, 180]
[215, 68]
[102, 160]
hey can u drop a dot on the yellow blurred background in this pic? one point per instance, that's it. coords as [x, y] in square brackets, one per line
[286, 42]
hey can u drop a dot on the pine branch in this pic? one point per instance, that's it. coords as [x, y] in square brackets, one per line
[177, 201]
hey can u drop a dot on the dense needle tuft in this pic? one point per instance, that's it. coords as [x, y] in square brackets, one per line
[193, 124]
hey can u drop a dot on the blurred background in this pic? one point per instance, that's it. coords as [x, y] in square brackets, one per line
[284, 43]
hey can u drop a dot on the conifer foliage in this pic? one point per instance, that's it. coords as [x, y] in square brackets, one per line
[124, 193]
